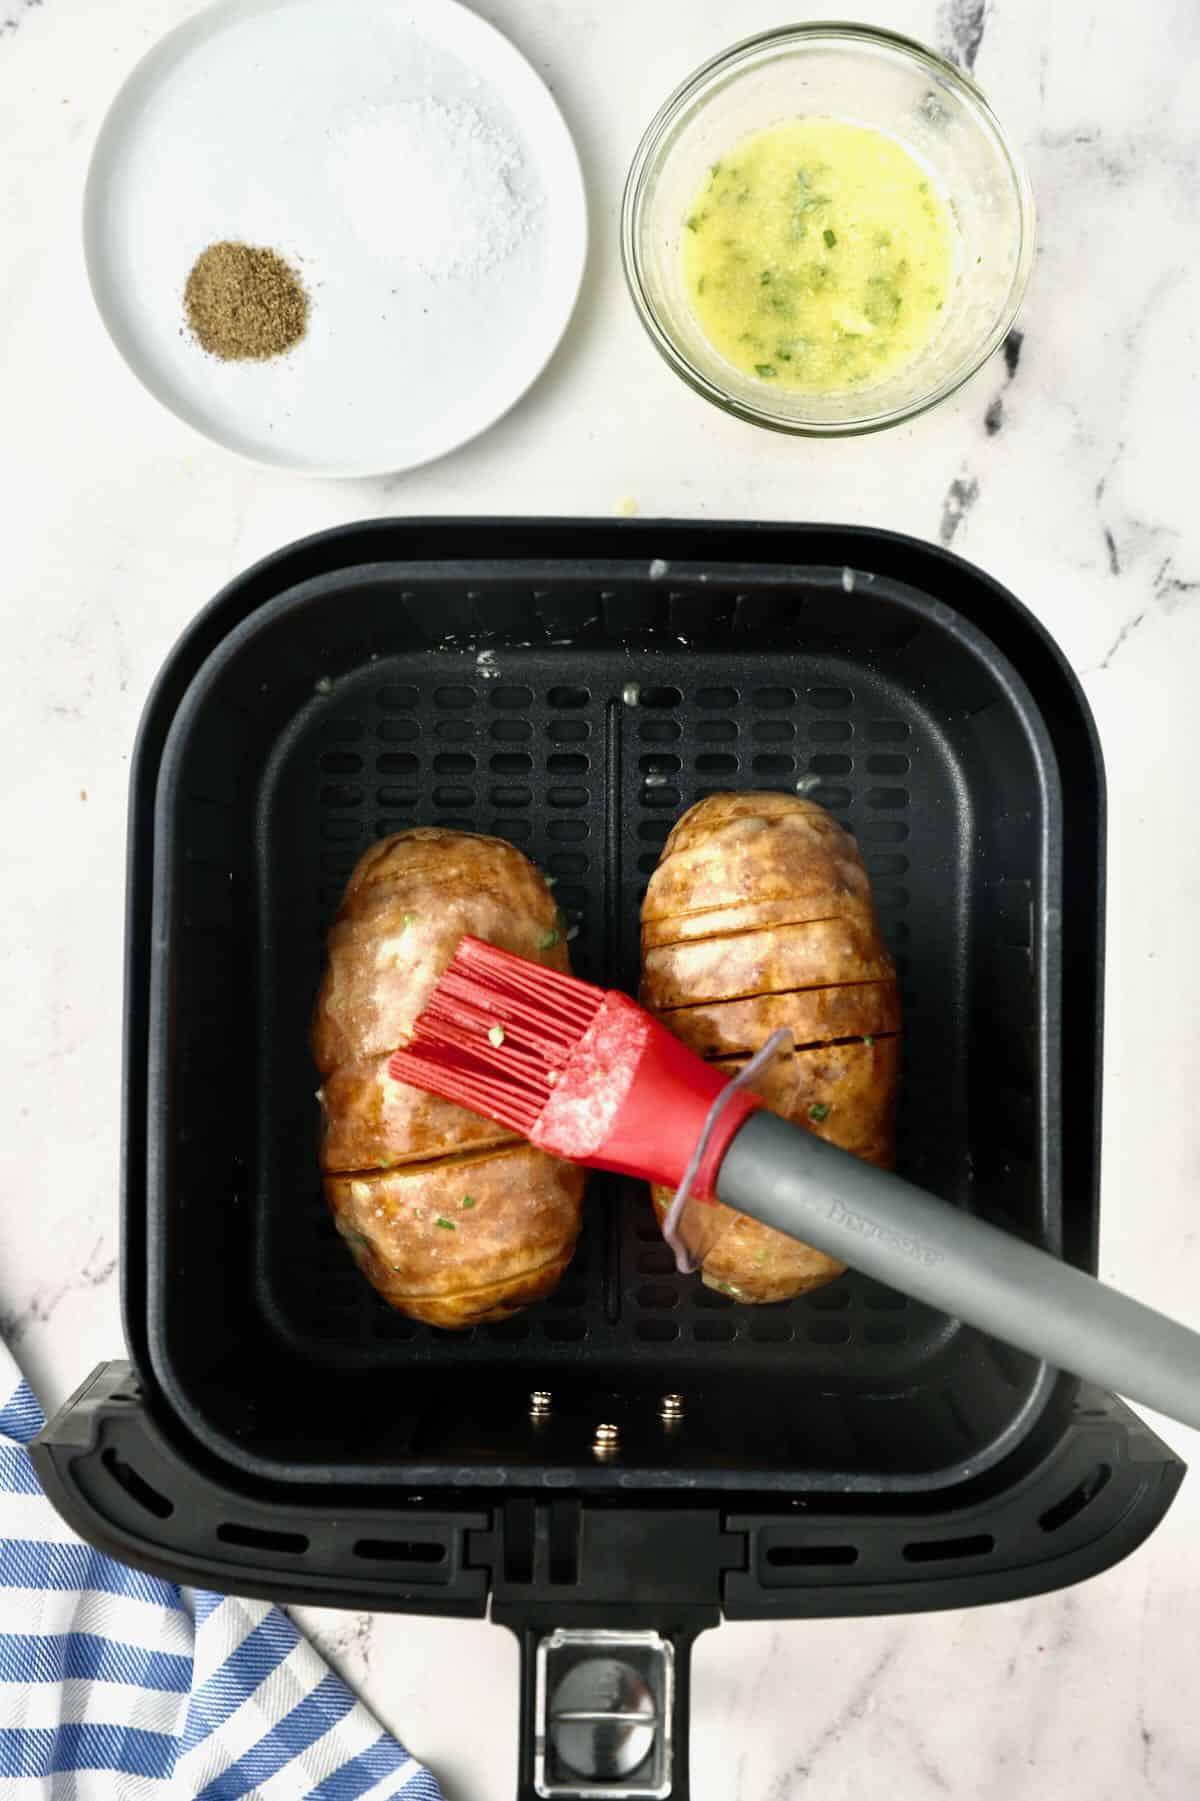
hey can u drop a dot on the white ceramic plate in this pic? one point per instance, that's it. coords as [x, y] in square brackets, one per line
[227, 130]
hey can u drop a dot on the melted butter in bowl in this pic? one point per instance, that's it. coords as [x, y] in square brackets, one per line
[818, 255]
[825, 230]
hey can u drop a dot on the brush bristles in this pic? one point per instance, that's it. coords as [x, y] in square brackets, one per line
[469, 1083]
[495, 1032]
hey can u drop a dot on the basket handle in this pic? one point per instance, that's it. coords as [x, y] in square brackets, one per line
[604, 1709]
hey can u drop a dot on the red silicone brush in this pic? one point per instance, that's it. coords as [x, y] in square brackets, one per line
[586, 1074]
[582, 1072]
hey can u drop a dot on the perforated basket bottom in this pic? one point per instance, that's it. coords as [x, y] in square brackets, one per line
[584, 760]
[576, 707]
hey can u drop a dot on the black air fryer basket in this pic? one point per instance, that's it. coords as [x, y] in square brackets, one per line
[619, 1467]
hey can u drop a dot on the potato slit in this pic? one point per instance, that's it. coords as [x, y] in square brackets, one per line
[777, 925]
[466, 1294]
[504, 1147]
[810, 1044]
[765, 994]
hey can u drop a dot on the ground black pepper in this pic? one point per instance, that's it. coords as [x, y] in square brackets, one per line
[244, 303]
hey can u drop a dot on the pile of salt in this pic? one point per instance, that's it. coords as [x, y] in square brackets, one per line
[433, 186]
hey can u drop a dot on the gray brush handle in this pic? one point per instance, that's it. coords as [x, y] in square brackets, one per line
[787, 1178]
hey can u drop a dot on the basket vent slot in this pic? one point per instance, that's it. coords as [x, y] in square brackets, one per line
[1072, 1505]
[565, 1521]
[657, 1331]
[519, 1523]
[136, 1486]
[511, 699]
[714, 1331]
[261, 1538]
[400, 1550]
[657, 1295]
[945, 1550]
[809, 1557]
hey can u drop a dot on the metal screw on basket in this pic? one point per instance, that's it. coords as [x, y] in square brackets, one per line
[539, 1404]
[607, 1441]
[671, 1410]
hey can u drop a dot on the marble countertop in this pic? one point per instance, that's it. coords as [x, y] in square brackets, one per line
[1066, 471]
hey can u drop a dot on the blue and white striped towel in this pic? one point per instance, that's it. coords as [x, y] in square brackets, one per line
[115, 1686]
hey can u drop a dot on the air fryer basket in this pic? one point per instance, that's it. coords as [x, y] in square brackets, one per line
[573, 685]
[577, 717]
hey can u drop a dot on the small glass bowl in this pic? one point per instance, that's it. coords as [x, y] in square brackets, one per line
[873, 78]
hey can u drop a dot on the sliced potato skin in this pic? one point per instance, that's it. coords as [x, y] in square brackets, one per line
[453, 1219]
[826, 953]
[371, 1122]
[462, 1240]
[759, 858]
[843, 1092]
[754, 1263]
[811, 1015]
[759, 917]
[400, 921]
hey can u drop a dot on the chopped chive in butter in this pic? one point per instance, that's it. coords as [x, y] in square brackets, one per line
[833, 185]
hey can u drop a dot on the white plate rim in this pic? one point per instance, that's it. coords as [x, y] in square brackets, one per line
[131, 95]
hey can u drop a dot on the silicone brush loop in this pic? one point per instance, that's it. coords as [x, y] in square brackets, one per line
[685, 1262]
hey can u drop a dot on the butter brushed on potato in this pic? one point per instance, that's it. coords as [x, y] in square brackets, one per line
[759, 917]
[453, 1219]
